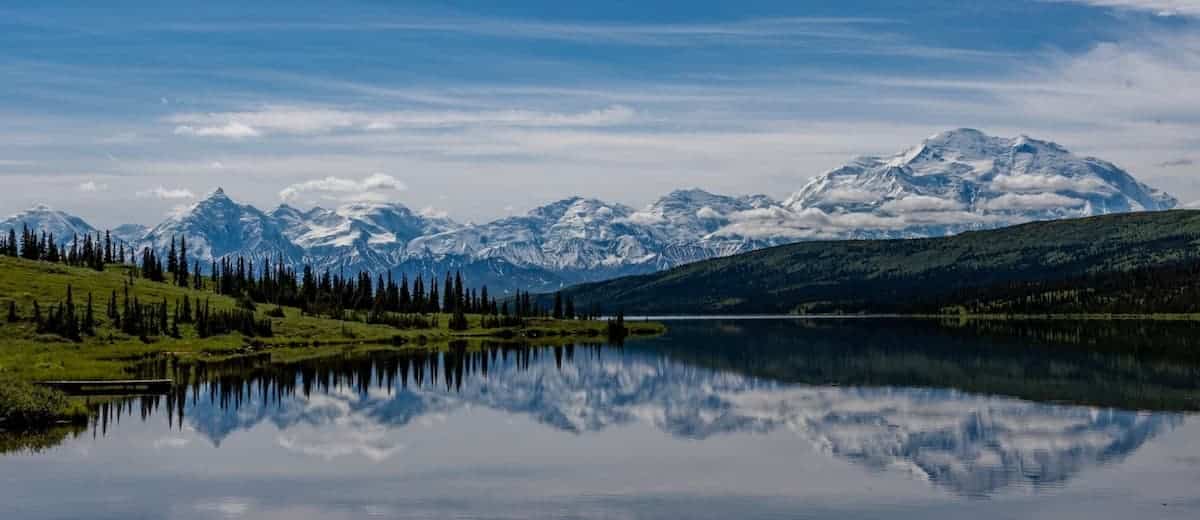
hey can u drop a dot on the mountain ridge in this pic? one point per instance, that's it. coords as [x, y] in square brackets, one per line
[954, 181]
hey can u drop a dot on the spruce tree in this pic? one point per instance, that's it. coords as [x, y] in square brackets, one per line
[89, 319]
[183, 278]
[69, 323]
[186, 313]
[558, 305]
[162, 315]
[172, 260]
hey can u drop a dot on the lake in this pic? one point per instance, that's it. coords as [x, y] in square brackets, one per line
[756, 418]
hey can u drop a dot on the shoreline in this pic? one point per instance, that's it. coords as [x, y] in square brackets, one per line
[968, 317]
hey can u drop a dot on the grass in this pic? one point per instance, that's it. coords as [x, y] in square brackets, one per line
[24, 404]
[27, 356]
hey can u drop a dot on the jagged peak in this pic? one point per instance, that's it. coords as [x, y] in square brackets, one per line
[959, 133]
[688, 192]
[217, 195]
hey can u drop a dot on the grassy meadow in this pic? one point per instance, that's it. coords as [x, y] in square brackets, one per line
[27, 356]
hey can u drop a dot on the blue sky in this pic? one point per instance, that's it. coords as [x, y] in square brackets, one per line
[481, 109]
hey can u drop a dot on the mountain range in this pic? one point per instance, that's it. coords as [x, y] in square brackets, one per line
[952, 182]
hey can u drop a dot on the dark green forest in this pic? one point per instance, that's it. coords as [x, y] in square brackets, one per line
[1135, 263]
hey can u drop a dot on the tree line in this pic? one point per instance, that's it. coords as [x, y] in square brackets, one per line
[86, 252]
[381, 299]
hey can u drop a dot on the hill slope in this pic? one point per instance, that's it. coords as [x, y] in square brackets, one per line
[927, 275]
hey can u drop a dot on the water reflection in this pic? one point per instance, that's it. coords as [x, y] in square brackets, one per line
[359, 406]
[973, 411]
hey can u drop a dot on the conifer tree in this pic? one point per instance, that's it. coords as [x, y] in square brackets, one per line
[89, 319]
[182, 278]
[558, 305]
[114, 313]
[186, 312]
[162, 315]
[172, 260]
[459, 296]
[12, 311]
[69, 310]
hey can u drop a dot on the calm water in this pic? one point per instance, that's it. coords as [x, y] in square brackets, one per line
[718, 419]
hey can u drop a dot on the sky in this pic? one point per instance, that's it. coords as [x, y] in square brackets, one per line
[128, 112]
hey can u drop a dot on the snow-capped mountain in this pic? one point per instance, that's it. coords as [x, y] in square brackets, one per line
[129, 233]
[218, 227]
[361, 235]
[573, 234]
[952, 182]
[43, 219]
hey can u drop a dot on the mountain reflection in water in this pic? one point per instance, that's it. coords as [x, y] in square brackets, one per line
[838, 390]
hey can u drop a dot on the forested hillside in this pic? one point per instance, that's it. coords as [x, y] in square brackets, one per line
[1127, 263]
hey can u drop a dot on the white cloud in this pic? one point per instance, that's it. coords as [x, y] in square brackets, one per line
[919, 203]
[707, 213]
[229, 507]
[377, 186]
[1159, 7]
[294, 120]
[850, 195]
[1176, 163]
[163, 193]
[1040, 183]
[230, 130]
[645, 219]
[92, 187]
[1034, 202]
[432, 212]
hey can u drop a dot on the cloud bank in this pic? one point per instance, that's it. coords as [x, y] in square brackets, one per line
[163, 193]
[374, 187]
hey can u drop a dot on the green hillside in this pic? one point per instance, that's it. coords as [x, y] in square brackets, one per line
[111, 353]
[1126, 263]
[33, 348]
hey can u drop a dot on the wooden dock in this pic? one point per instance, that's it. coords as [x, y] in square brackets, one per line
[112, 386]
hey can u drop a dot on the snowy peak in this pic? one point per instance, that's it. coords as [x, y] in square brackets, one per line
[960, 180]
[684, 216]
[43, 219]
[130, 233]
[217, 227]
[367, 224]
[950, 182]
